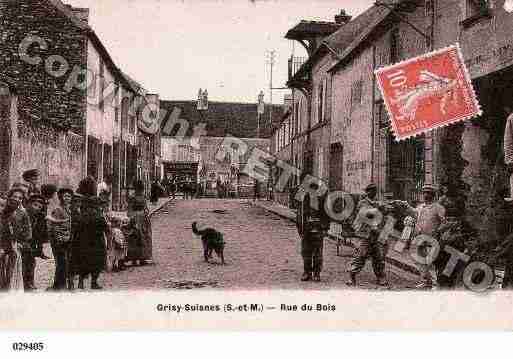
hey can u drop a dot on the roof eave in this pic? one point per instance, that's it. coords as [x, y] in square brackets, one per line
[344, 56]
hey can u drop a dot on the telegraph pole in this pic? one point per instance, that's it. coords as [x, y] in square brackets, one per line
[271, 57]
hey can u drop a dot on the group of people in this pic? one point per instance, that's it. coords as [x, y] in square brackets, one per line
[172, 186]
[440, 219]
[79, 229]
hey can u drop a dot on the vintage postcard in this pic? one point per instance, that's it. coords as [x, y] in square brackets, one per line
[183, 164]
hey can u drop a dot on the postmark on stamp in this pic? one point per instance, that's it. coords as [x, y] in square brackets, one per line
[427, 92]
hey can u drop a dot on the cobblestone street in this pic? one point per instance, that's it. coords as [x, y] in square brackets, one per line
[262, 251]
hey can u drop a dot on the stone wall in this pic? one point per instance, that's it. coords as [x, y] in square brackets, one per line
[49, 116]
[43, 98]
[57, 154]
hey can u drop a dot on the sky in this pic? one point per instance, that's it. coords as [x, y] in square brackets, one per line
[175, 47]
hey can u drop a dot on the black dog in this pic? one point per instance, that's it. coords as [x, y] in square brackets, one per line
[212, 241]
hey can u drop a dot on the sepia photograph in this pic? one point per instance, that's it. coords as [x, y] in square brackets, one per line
[249, 164]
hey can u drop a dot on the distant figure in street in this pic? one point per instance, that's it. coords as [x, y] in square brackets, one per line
[313, 224]
[165, 184]
[105, 191]
[368, 234]
[89, 246]
[173, 187]
[156, 191]
[59, 231]
[140, 239]
[270, 191]
[255, 190]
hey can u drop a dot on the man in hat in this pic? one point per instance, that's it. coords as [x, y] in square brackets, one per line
[32, 177]
[368, 234]
[313, 225]
[428, 218]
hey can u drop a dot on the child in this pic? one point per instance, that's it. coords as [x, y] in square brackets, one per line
[120, 247]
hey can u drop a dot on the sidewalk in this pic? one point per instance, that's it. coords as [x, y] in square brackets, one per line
[153, 208]
[401, 261]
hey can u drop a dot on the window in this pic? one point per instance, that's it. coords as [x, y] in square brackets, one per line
[298, 114]
[382, 116]
[101, 85]
[124, 114]
[320, 102]
[394, 46]
[356, 93]
[476, 7]
[474, 10]
[116, 103]
[320, 161]
[287, 133]
[122, 165]
[93, 156]
[107, 160]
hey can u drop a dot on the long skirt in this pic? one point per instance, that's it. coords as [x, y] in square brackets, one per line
[11, 273]
[140, 246]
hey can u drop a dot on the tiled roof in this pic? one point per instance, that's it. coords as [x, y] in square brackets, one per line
[309, 28]
[345, 40]
[224, 118]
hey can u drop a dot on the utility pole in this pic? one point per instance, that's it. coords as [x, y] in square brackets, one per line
[271, 57]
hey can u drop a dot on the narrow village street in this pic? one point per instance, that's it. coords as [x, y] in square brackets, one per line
[262, 252]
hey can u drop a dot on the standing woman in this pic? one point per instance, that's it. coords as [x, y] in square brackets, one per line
[14, 228]
[59, 232]
[140, 242]
[89, 248]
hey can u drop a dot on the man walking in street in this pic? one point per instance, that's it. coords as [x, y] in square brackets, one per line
[368, 234]
[312, 224]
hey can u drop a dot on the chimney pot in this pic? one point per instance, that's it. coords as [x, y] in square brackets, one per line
[343, 17]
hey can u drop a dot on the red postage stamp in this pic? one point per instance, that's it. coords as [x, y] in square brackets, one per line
[427, 92]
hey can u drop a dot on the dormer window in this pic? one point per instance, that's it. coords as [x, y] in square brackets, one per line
[475, 10]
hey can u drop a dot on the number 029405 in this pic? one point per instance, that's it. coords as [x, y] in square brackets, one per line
[19, 346]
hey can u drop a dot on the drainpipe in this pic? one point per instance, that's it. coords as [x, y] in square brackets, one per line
[373, 115]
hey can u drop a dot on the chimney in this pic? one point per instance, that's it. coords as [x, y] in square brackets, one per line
[342, 18]
[80, 12]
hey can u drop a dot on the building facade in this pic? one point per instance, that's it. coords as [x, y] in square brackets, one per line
[466, 157]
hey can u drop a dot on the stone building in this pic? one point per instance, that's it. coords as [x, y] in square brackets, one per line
[72, 112]
[303, 137]
[467, 157]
